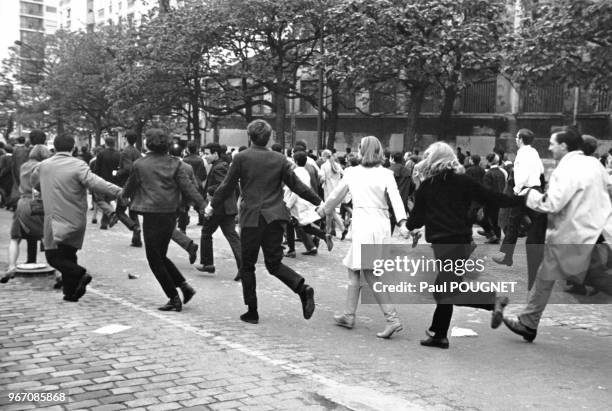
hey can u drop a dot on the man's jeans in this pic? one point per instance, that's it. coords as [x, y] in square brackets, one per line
[228, 227]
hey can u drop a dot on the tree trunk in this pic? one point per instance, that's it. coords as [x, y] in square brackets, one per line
[248, 109]
[189, 123]
[450, 94]
[195, 106]
[332, 118]
[140, 125]
[98, 135]
[279, 122]
[415, 102]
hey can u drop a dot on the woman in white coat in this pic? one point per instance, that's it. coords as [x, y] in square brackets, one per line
[368, 183]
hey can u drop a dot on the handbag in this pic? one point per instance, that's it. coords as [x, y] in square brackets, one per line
[36, 207]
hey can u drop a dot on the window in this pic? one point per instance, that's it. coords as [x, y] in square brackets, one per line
[31, 23]
[51, 10]
[479, 97]
[31, 9]
[101, 13]
[68, 13]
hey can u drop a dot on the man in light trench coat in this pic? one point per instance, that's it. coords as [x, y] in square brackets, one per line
[579, 211]
[63, 181]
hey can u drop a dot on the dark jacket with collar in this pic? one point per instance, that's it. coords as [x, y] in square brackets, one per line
[261, 174]
[126, 161]
[107, 162]
[157, 182]
[199, 170]
[442, 202]
[216, 175]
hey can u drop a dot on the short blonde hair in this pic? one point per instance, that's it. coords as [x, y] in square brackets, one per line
[438, 157]
[371, 152]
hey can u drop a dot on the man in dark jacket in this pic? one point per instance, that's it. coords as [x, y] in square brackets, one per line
[199, 170]
[107, 164]
[263, 215]
[403, 177]
[126, 161]
[223, 216]
[495, 180]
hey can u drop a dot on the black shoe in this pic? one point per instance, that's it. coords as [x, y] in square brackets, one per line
[193, 253]
[435, 342]
[344, 233]
[206, 268]
[9, 275]
[329, 242]
[310, 252]
[290, 254]
[82, 286]
[497, 316]
[250, 317]
[238, 276]
[308, 303]
[103, 227]
[58, 284]
[112, 220]
[94, 221]
[188, 292]
[174, 304]
[136, 242]
[71, 298]
[516, 326]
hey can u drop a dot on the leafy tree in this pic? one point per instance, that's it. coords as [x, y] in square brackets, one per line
[408, 46]
[566, 41]
[76, 83]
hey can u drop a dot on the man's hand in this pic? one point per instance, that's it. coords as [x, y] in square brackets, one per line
[321, 211]
[208, 211]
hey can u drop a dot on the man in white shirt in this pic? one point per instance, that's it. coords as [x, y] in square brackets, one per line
[528, 170]
[579, 212]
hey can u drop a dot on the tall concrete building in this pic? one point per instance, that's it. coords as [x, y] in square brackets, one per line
[118, 11]
[23, 24]
[76, 15]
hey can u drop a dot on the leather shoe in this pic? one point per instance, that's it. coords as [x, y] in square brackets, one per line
[516, 326]
[71, 298]
[188, 292]
[238, 276]
[435, 342]
[193, 253]
[329, 242]
[206, 268]
[310, 252]
[497, 315]
[9, 275]
[174, 304]
[308, 303]
[112, 220]
[505, 260]
[290, 254]
[251, 317]
[344, 233]
[82, 286]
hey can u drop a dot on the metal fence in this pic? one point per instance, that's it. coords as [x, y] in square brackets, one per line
[542, 99]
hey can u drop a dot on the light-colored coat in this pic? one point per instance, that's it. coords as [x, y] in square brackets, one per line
[579, 211]
[64, 181]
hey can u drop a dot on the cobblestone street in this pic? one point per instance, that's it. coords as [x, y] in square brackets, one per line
[206, 358]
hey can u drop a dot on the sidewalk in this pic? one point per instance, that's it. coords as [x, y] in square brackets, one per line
[205, 358]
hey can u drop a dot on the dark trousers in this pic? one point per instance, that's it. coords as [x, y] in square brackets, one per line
[157, 231]
[268, 237]
[228, 227]
[32, 248]
[536, 234]
[491, 215]
[64, 259]
[130, 222]
[454, 250]
[303, 232]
